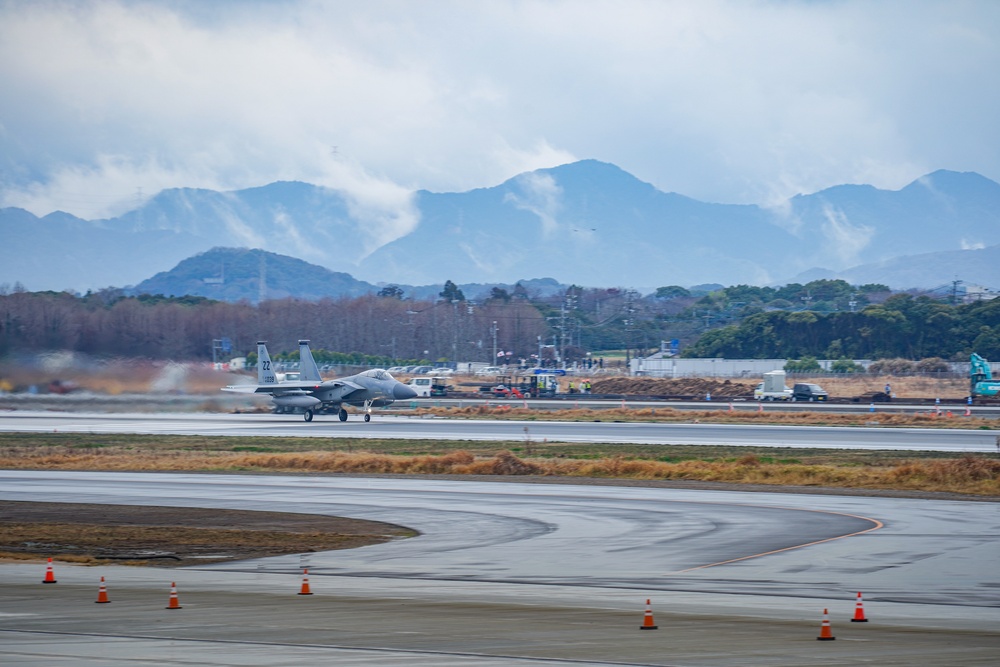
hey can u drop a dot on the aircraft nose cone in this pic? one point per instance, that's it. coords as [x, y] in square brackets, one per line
[401, 392]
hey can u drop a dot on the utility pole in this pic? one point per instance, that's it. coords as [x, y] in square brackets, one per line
[454, 326]
[562, 332]
[262, 288]
[954, 291]
[493, 331]
[629, 322]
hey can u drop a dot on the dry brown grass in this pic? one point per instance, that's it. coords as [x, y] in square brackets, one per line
[970, 474]
[744, 414]
[839, 386]
[903, 387]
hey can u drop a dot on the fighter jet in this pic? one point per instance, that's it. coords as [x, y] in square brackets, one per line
[374, 388]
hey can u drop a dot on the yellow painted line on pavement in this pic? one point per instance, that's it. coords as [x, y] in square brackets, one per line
[877, 526]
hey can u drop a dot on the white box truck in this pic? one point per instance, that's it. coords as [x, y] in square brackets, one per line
[773, 388]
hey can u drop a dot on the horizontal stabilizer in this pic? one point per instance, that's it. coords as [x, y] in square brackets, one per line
[241, 388]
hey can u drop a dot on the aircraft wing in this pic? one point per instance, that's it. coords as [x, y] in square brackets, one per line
[343, 383]
[341, 389]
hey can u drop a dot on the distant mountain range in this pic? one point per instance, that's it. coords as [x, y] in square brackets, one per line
[980, 266]
[588, 223]
[236, 274]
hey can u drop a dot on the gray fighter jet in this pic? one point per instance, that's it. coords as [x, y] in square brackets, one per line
[374, 388]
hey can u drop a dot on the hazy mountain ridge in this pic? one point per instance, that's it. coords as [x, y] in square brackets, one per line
[974, 267]
[236, 274]
[588, 223]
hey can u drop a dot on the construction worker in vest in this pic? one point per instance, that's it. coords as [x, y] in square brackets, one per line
[572, 390]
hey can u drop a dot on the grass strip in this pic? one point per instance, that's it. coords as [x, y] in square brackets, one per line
[948, 418]
[837, 468]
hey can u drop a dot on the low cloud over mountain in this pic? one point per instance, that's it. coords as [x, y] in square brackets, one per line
[587, 222]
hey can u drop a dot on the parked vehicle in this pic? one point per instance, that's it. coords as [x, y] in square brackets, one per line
[490, 370]
[806, 391]
[421, 385]
[773, 388]
[427, 386]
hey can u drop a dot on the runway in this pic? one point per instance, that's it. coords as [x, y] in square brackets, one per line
[517, 574]
[387, 426]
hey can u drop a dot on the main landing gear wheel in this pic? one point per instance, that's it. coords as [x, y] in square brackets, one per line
[368, 418]
[308, 415]
[342, 414]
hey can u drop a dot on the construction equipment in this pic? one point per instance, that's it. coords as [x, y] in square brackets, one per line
[981, 382]
[541, 385]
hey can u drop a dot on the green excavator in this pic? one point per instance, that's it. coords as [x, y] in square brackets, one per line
[981, 382]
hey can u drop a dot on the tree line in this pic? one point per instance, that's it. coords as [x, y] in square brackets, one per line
[108, 323]
[824, 319]
[903, 326]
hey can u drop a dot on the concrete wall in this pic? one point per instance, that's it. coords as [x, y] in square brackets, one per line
[674, 367]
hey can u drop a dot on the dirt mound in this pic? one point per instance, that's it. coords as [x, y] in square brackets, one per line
[174, 536]
[679, 387]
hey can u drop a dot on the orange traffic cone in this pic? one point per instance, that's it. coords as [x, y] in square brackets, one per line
[174, 603]
[647, 619]
[50, 577]
[968, 411]
[760, 407]
[102, 593]
[859, 611]
[825, 634]
[305, 583]
[730, 406]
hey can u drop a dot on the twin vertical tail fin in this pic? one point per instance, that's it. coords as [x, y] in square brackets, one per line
[308, 370]
[265, 369]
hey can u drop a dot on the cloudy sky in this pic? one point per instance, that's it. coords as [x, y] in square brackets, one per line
[742, 101]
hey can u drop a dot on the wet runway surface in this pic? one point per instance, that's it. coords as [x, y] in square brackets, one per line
[386, 426]
[511, 573]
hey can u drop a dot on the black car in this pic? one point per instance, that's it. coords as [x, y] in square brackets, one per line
[805, 391]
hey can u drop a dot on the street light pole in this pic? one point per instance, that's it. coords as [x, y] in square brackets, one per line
[493, 330]
[454, 326]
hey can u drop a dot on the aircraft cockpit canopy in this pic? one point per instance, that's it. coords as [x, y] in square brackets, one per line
[378, 374]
